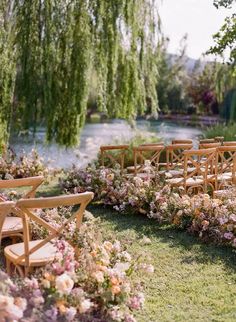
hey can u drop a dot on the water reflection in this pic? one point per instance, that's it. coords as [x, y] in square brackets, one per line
[94, 135]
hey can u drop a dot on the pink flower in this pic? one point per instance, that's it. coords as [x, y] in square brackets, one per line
[228, 235]
[137, 301]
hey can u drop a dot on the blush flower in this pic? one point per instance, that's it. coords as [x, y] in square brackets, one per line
[64, 284]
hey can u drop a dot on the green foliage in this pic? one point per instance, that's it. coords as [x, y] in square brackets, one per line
[225, 39]
[223, 3]
[228, 131]
[57, 48]
[172, 78]
[7, 70]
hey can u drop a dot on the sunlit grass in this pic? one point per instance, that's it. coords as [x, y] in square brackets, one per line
[192, 281]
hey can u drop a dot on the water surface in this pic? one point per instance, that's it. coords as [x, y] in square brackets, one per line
[96, 134]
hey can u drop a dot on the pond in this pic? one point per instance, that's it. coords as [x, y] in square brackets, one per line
[96, 134]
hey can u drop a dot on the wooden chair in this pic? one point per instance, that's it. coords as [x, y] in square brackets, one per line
[13, 226]
[209, 145]
[153, 144]
[5, 208]
[175, 158]
[203, 174]
[229, 143]
[219, 139]
[146, 153]
[226, 166]
[24, 256]
[205, 141]
[180, 141]
[113, 154]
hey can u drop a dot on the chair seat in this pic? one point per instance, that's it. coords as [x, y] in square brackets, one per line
[41, 256]
[189, 182]
[12, 224]
[221, 193]
[224, 176]
[130, 168]
[144, 175]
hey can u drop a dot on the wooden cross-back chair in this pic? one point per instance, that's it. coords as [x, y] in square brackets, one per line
[226, 166]
[153, 144]
[146, 153]
[13, 226]
[182, 141]
[24, 256]
[205, 141]
[175, 156]
[219, 139]
[203, 174]
[113, 154]
[229, 143]
[209, 145]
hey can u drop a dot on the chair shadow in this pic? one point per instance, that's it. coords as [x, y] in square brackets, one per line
[203, 252]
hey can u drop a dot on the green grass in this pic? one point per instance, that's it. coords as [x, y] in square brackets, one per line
[228, 131]
[192, 281]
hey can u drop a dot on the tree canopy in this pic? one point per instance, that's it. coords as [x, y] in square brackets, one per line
[49, 50]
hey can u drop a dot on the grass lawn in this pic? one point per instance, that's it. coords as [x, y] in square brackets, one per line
[192, 281]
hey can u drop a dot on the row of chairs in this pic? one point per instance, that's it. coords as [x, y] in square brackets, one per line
[15, 222]
[212, 165]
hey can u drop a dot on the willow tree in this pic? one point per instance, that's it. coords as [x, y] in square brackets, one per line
[7, 69]
[58, 44]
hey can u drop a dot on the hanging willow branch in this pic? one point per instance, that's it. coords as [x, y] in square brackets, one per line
[59, 44]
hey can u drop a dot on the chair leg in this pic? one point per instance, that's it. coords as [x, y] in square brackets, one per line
[8, 267]
[20, 271]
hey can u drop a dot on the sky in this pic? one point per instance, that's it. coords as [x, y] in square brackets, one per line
[198, 18]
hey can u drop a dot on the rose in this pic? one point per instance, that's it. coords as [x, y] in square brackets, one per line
[85, 305]
[64, 284]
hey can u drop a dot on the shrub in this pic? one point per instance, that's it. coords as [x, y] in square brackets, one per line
[24, 165]
[228, 131]
[211, 219]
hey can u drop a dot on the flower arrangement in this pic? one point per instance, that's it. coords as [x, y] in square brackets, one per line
[211, 219]
[91, 284]
[24, 165]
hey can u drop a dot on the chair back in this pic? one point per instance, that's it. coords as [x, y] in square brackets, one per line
[113, 154]
[147, 153]
[229, 143]
[203, 165]
[180, 141]
[153, 144]
[33, 182]
[174, 155]
[227, 161]
[5, 208]
[205, 141]
[25, 206]
[219, 139]
[209, 145]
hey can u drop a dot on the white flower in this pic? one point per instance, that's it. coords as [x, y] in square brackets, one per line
[145, 241]
[13, 311]
[126, 256]
[121, 267]
[98, 276]
[70, 313]
[46, 283]
[21, 303]
[85, 305]
[116, 246]
[64, 284]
